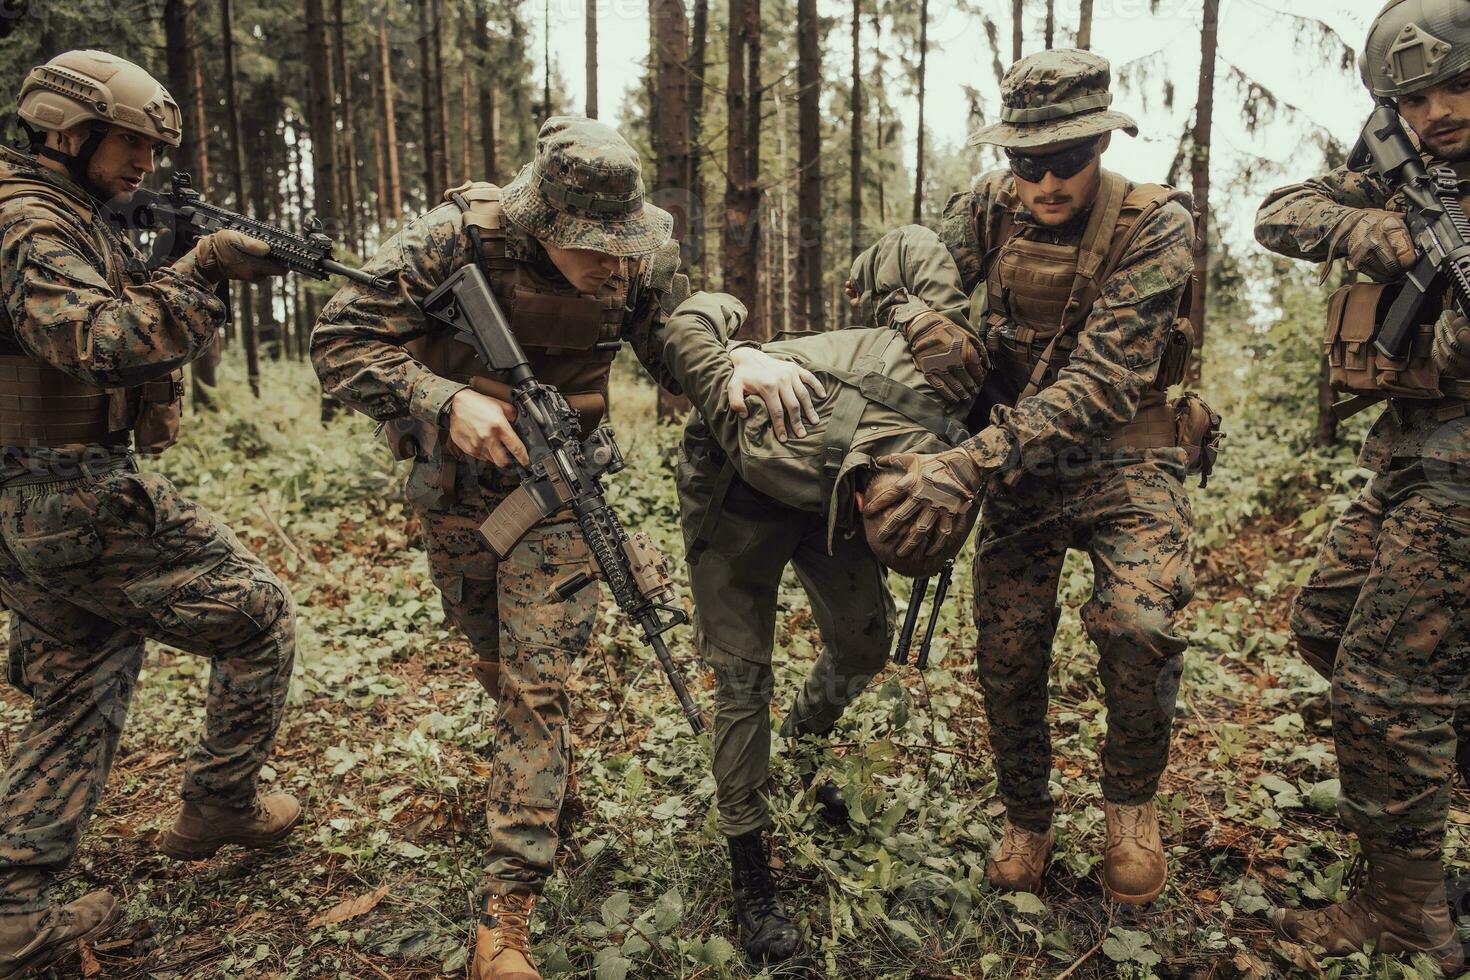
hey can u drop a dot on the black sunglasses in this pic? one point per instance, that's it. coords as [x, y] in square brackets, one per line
[1064, 163]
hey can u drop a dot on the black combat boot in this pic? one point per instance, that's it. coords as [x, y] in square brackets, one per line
[766, 932]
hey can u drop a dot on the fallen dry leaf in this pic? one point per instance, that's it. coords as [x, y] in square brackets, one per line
[350, 909]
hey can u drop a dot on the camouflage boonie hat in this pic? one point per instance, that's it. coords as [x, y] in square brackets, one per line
[585, 190]
[1054, 96]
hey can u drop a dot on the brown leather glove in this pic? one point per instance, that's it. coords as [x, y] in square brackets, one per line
[232, 255]
[947, 355]
[1378, 245]
[925, 507]
[1451, 348]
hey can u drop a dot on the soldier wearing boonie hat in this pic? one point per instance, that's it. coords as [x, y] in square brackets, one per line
[580, 262]
[1384, 615]
[1077, 277]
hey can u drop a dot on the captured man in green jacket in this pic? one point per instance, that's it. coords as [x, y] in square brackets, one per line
[753, 502]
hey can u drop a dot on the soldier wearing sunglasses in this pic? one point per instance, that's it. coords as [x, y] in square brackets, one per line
[1077, 278]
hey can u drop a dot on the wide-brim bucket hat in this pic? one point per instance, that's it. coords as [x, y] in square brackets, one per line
[585, 190]
[1052, 97]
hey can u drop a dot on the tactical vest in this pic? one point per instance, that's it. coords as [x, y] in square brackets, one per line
[570, 339]
[42, 407]
[1039, 295]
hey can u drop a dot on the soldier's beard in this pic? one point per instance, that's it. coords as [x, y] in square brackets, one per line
[1456, 149]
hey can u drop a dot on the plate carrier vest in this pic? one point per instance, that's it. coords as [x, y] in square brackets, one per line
[43, 407]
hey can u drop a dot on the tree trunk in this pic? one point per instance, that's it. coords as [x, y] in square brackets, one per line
[1199, 173]
[740, 239]
[1084, 26]
[325, 206]
[545, 61]
[352, 228]
[591, 59]
[441, 121]
[1018, 30]
[670, 135]
[809, 265]
[390, 126]
[380, 163]
[489, 111]
[923, 68]
[427, 88]
[263, 108]
[698, 42]
[240, 290]
[464, 120]
[1051, 24]
[855, 143]
[305, 317]
[183, 78]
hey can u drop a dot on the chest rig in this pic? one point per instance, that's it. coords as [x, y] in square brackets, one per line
[42, 407]
[1040, 292]
[570, 339]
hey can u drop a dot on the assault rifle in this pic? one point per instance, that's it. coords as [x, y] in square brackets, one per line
[181, 217]
[1436, 221]
[911, 618]
[565, 473]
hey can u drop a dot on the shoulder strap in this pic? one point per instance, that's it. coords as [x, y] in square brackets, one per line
[912, 404]
[479, 205]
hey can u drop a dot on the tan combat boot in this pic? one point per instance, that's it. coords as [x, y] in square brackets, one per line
[202, 829]
[1134, 869]
[31, 941]
[1400, 908]
[503, 939]
[1020, 859]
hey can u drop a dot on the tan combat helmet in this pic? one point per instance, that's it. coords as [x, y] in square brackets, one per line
[1413, 44]
[100, 88]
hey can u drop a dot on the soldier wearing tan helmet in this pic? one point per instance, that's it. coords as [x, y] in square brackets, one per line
[95, 555]
[1386, 613]
[1078, 277]
[580, 263]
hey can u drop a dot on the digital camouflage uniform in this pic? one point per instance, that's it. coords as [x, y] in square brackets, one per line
[375, 352]
[1085, 461]
[779, 504]
[1387, 608]
[96, 556]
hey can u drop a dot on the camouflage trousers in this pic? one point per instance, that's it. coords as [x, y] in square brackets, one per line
[504, 611]
[89, 569]
[735, 584]
[1387, 611]
[1134, 521]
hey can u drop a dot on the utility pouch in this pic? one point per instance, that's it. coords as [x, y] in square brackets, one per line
[1356, 367]
[1177, 353]
[160, 406]
[1197, 432]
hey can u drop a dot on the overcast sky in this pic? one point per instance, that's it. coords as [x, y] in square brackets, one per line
[1256, 39]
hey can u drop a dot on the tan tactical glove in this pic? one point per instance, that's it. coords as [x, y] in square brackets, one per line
[928, 503]
[231, 255]
[946, 354]
[1451, 348]
[1377, 244]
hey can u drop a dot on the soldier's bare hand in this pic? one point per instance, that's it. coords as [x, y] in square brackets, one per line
[231, 255]
[481, 427]
[1379, 245]
[784, 387]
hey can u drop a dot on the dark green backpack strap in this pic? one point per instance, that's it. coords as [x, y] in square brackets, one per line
[847, 414]
[913, 405]
[705, 533]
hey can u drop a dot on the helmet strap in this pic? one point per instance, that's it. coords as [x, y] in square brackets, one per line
[76, 163]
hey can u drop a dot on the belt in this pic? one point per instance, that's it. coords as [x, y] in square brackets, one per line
[37, 484]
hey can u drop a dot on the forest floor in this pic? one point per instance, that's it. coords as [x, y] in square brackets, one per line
[386, 742]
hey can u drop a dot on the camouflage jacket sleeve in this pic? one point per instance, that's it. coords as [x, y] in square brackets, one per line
[663, 287]
[357, 346]
[1118, 354]
[962, 229]
[66, 313]
[1299, 221]
[907, 271]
